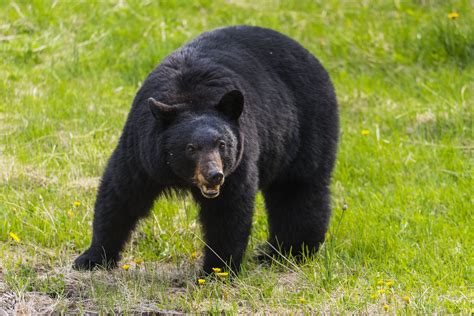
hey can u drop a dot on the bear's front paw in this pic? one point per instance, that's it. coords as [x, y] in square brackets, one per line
[89, 261]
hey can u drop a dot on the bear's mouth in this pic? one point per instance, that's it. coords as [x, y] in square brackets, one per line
[209, 192]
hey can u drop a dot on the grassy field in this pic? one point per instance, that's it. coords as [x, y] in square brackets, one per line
[404, 75]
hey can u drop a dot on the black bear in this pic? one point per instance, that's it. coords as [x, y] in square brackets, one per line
[236, 110]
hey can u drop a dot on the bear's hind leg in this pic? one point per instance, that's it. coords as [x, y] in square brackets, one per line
[298, 217]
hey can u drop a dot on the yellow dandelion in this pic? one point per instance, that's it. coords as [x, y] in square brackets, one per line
[390, 283]
[201, 281]
[126, 267]
[15, 237]
[77, 203]
[453, 15]
[193, 255]
[365, 132]
[381, 291]
[302, 300]
[374, 296]
[406, 299]
[138, 261]
[385, 307]
[380, 282]
[216, 270]
[70, 213]
[222, 274]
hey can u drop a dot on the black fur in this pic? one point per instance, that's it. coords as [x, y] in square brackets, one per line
[272, 105]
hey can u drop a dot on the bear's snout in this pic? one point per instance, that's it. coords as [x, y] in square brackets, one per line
[209, 175]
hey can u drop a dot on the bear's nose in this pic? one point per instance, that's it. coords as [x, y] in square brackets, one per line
[215, 177]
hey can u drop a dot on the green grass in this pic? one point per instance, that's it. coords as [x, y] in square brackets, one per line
[403, 71]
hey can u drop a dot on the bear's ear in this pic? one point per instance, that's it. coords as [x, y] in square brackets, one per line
[231, 104]
[161, 110]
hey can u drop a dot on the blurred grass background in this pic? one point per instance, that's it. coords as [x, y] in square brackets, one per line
[404, 76]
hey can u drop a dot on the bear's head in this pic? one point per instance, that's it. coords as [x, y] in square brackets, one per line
[203, 146]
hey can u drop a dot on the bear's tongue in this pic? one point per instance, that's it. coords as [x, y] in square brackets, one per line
[209, 192]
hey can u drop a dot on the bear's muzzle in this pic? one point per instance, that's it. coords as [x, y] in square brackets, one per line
[209, 175]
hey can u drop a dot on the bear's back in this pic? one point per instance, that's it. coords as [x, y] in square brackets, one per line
[258, 47]
[271, 63]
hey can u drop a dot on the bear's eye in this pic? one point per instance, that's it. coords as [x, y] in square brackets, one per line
[190, 148]
[221, 144]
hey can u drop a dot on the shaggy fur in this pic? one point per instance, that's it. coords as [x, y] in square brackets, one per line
[255, 106]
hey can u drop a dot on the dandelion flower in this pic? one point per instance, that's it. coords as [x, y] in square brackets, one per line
[382, 291]
[126, 267]
[302, 300]
[201, 281]
[193, 255]
[77, 203]
[216, 270]
[385, 307]
[453, 15]
[390, 283]
[406, 299]
[380, 282]
[365, 132]
[15, 237]
[138, 261]
[70, 214]
[374, 296]
[222, 274]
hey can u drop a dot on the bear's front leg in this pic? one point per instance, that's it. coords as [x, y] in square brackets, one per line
[125, 195]
[226, 222]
